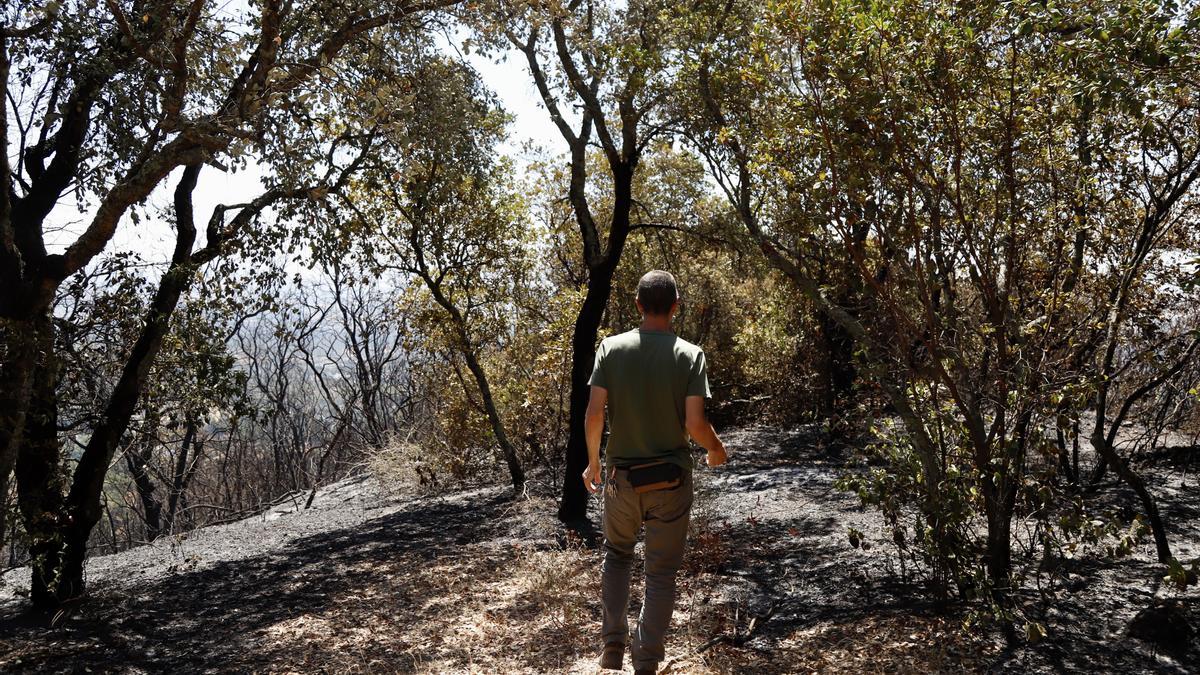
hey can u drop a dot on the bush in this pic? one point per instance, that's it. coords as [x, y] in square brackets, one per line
[403, 467]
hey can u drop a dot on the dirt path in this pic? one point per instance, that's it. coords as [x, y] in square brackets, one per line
[477, 582]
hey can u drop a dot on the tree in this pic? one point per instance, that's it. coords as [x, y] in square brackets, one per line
[110, 102]
[929, 146]
[435, 206]
[728, 115]
[98, 320]
[607, 60]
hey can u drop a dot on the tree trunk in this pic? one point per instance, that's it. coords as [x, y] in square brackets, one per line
[40, 478]
[837, 368]
[573, 507]
[182, 474]
[998, 556]
[1098, 437]
[583, 356]
[59, 528]
[467, 349]
[1064, 454]
[1134, 481]
[999, 550]
[16, 380]
[515, 472]
[137, 463]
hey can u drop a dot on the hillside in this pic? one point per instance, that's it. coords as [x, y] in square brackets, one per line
[473, 581]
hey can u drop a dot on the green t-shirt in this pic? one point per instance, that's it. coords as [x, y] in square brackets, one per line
[648, 374]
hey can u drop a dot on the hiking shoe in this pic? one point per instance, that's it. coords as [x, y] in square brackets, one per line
[645, 671]
[612, 656]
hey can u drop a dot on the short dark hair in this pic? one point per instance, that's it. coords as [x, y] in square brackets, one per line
[657, 292]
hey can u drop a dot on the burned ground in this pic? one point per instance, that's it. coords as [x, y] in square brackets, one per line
[474, 581]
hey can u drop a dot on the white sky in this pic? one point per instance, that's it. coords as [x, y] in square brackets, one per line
[153, 239]
[511, 81]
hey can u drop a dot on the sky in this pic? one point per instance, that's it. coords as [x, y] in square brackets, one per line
[506, 74]
[514, 86]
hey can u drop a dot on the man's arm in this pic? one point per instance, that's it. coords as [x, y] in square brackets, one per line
[593, 430]
[702, 431]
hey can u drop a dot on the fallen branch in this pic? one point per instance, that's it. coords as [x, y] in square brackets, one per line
[740, 640]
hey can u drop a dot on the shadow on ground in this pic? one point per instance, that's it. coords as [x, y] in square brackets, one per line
[820, 604]
[225, 614]
[476, 582]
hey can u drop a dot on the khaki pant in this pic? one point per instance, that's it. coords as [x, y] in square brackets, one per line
[665, 515]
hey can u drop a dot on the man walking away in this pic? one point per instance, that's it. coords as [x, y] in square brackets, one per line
[654, 385]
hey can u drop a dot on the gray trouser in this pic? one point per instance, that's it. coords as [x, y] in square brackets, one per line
[665, 515]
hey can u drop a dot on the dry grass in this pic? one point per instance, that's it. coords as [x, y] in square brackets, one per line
[489, 607]
[483, 608]
[902, 643]
[515, 609]
[472, 582]
[401, 467]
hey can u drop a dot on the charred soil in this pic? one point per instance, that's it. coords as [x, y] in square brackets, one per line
[475, 581]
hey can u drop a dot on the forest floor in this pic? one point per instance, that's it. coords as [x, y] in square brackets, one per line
[473, 581]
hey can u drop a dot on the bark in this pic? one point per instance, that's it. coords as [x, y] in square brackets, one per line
[999, 549]
[16, 340]
[31, 277]
[16, 382]
[836, 369]
[1103, 436]
[74, 519]
[573, 506]
[68, 526]
[40, 479]
[466, 347]
[138, 462]
[190, 450]
[515, 472]
[622, 146]
[1135, 482]
[998, 562]
[1064, 454]
[737, 185]
[918, 433]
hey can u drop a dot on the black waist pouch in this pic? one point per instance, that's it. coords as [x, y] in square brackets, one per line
[655, 476]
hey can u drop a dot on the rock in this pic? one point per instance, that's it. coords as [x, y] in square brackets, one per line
[1164, 623]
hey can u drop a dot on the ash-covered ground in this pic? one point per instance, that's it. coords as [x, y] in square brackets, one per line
[367, 580]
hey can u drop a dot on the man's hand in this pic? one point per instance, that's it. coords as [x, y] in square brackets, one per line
[717, 456]
[701, 431]
[591, 477]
